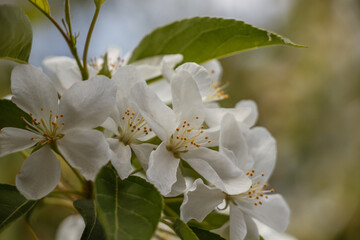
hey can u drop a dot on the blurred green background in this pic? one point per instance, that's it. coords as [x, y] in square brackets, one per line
[309, 99]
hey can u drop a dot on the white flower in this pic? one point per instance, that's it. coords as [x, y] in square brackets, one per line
[254, 151]
[183, 138]
[127, 125]
[65, 125]
[67, 72]
[207, 78]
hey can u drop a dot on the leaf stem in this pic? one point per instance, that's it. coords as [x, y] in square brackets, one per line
[31, 231]
[68, 39]
[88, 38]
[174, 200]
[137, 170]
[69, 192]
[168, 211]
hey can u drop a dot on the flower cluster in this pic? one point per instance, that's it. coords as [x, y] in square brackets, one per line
[171, 125]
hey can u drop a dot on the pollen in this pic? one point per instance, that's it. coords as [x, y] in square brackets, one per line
[216, 92]
[132, 126]
[47, 128]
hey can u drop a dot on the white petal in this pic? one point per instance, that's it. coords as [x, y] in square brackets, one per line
[187, 102]
[213, 116]
[214, 67]
[55, 64]
[238, 228]
[252, 230]
[162, 169]
[218, 170]
[158, 116]
[69, 77]
[14, 140]
[65, 70]
[142, 152]
[71, 228]
[233, 139]
[251, 119]
[274, 212]
[125, 78]
[200, 74]
[86, 150]
[179, 186]
[39, 175]
[88, 103]
[33, 90]
[120, 157]
[199, 201]
[270, 234]
[162, 89]
[262, 147]
[151, 67]
[110, 125]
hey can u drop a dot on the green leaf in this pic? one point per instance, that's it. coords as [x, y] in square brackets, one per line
[12, 205]
[206, 235]
[105, 68]
[6, 67]
[43, 5]
[10, 115]
[15, 43]
[212, 221]
[93, 229]
[184, 231]
[201, 39]
[128, 209]
[15, 34]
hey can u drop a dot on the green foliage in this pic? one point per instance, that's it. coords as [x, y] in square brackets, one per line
[128, 209]
[93, 229]
[184, 231]
[201, 39]
[43, 5]
[212, 221]
[15, 43]
[12, 205]
[206, 235]
[10, 115]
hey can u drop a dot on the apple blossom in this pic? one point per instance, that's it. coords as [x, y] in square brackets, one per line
[65, 126]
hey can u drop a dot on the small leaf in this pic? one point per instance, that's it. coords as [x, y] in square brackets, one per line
[93, 229]
[212, 221]
[43, 5]
[15, 34]
[128, 209]
[12, 205]
[10, 115]
[15, 43]
[206, 235]
[184, 231]
[201, 39]
[105, 68]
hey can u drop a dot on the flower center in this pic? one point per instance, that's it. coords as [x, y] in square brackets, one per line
[47, 131]
[113, 64]
[132, 126]
[257, 191]
[216, 92]
[187, 137]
